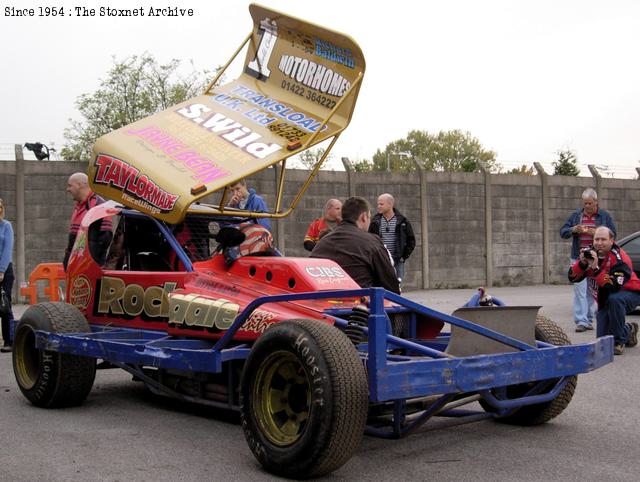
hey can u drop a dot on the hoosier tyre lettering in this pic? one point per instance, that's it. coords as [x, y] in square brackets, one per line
[304, 399]
[548, 332]
[50, 379]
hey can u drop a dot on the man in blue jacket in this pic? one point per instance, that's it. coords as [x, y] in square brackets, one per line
[580, 226]
[248, 200]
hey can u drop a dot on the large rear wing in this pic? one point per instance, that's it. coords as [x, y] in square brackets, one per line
[298, 87]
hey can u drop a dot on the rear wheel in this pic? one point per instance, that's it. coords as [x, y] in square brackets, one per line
[46, 378]
[549, 332]
[304, 399]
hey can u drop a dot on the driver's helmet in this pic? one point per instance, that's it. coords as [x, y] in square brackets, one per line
[258, 240]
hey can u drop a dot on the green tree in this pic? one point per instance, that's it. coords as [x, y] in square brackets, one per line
[446, 151]
[362, 165]
[567, 164]
[310, 157]
[133, 88]
[523, 170]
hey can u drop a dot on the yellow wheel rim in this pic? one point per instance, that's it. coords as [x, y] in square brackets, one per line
[282, 398]
[27, 358]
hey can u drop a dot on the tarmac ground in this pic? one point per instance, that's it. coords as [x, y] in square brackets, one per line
[121, 433]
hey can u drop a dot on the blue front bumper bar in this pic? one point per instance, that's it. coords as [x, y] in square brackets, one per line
[428, 372]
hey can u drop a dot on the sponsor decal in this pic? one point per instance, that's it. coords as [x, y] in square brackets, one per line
[270, 107]
[258, 321]
[301, 41]
[117, 298]
[258, 67]
[325, 272]
[216, 286]
[192, 310]
[309, 94]
[79, 244]
[139, 189]
[204, 169]
[80, 292]
[289, 132]
[229, 130]
[329, 51]
[313, 75]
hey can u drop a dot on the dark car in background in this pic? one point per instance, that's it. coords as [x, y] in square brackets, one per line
[631, 245]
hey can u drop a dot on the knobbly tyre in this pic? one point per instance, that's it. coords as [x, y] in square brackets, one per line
[310, 360]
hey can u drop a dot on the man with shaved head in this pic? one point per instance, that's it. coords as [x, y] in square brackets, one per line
[85, 198]
[618, 287]
[395, 231]
[321, 226]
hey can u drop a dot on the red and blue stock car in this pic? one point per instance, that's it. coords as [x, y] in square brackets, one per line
[309, 359]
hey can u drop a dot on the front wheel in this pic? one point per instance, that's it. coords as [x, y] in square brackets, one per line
[549, 332]
[47, 378]
[304, 399]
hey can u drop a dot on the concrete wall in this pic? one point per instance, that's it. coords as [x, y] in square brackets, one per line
[47, 207]
[460, 231]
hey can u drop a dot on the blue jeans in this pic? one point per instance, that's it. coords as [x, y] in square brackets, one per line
[7, 285]
[584, 303]
[611, 317]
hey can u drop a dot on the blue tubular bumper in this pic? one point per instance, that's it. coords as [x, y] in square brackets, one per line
[428, 371]
[139, 347]
[420, 377]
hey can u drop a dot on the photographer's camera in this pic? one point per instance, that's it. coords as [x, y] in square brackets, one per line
[587, 252]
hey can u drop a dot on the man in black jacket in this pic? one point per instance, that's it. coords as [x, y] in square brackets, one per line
[361, 255]
[395, 231]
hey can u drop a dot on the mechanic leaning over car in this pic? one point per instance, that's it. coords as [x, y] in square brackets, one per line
[580, 226]
[360, 253]
[99, 235]
[618, 287]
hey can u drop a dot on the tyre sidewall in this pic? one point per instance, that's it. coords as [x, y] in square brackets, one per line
[546, 331]
[45, 384]
[295, 339]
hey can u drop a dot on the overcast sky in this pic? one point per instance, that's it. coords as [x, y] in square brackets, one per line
[525, 78]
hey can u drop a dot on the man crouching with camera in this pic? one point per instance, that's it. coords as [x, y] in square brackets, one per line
[618, 287]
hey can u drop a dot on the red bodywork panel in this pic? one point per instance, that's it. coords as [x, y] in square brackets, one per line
[202, 303]
[205, 302]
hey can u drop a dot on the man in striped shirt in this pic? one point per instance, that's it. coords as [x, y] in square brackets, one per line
[580, 226]
[395, 231]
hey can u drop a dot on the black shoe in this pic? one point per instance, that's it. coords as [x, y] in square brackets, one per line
[633, 334]
[6, 349]
[581, 328]
[618, 349]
